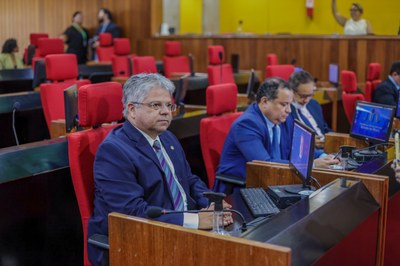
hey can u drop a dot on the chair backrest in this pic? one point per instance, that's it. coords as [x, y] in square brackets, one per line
[47, 46]
[349, 81]
[349, 103]
[61, 67]
[374, 71]
[173, 62]
[144, 64]
[97, 104]
[368, 91]
[172, 48]
[217, 71]
[122, 59]
[213, 130]
[105, 50]
[34, 38]
[272, 59]
[52, 97]
[216, 54]
[281, 71]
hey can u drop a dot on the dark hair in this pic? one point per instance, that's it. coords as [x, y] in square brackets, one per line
[75, 14]
[358, 6]
[299, 78]
[107, 12]
[395, 68]
[9, 46]
[270, 88]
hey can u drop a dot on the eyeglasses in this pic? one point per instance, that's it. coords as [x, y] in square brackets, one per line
[305, 96]
[159, 105]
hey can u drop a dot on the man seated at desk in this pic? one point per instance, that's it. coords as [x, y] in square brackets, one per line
[305, 108]
[141, 165]
[387, 92]
[263, 132]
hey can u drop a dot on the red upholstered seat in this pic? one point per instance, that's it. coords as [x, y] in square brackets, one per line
[272, 59]
[47, 46]
[105, 50]
[31, 50]
[349, 103]
[281, 71]
[373, 76]
[173, 62]
[368, 91]
[349, 81]
[144, 64]
[218, 72]
[220, 99]
[122, 59]
[97, 103]
[61, 67]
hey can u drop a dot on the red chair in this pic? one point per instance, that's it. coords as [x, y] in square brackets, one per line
[373, 76]
[106, 49]
[218, 72]
[62, 72]
[97, 104]
[173, 62]
[349, 97]
[220, 99]
[144, 64]
[122, 59]
[47, 46]
[31, 50]
[281, 71]
[272, 59]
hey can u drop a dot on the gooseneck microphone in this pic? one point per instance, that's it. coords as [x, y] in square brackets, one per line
[155, 212]
[16, 107]
[220, 56]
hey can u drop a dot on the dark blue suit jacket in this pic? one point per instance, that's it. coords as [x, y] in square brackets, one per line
[129, 179]
[315, 110]
[386, 93]
[111, 28]
[248, 140]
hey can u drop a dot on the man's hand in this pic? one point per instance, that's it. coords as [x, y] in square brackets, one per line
[206, 218]
[325, 162]
[319, 142]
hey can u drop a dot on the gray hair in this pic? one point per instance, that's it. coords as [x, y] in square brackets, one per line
[299, 78]
[270, 88]
[137, 87]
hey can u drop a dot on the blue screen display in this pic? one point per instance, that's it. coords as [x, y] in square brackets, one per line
[372, 122]
[301, 150]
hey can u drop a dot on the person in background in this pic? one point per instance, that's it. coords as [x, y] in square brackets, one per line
[8, 57]
[305, 108]
[76, 37]
[355, 25]
[263, 132]
[106, 25]
[387, 92]
[141, 165]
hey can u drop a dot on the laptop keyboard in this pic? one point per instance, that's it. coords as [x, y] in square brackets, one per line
[259, 202]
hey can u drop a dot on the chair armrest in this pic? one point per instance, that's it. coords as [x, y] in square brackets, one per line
[231, 179]
[99, 241]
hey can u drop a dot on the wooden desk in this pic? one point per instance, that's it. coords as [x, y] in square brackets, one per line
[167, 244]
[263, 174]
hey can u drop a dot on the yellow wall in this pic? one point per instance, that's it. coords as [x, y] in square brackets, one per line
[191, 15]
[273, 16]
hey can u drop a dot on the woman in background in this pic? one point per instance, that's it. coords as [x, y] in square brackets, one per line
[76, 37]
[8, 57]
[354, 25]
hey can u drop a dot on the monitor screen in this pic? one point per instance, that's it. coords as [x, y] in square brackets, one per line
[372, 122]
[71, 107]
[334, 74]
[302, 153]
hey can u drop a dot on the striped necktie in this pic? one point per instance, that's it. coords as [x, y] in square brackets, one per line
[172, 182]
[276, 149]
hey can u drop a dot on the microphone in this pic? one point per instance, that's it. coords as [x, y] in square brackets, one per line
[220, 56]
[16, 107]
[155, 212]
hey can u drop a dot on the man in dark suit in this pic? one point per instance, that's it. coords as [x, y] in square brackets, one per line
[387, 92]
[140, 164]
[305, 108]
[263, 132]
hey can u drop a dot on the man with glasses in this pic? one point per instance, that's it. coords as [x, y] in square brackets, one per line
[141, 165]
[305, 108]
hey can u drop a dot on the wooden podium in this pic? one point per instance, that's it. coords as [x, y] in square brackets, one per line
[136, 241]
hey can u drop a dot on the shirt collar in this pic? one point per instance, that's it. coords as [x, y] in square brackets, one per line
[270, 125]
[394, 82]
[147, 137]
[298, 106]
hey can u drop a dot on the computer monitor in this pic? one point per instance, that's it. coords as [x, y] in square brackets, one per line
[250, 86]
[235, 63]
[71, 107]
[302, 157]
[334, 74]
[372, 122]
